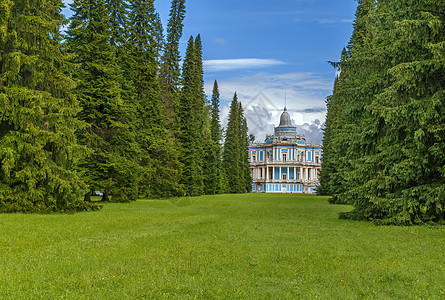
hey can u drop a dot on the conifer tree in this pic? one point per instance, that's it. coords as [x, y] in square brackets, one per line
[170, 67]
[117, 12]
[171, 70]
[159, 160]
[111, 166]
[213, 178]
[334, 145]
[347, 109]
[391, 120]
[192, 120]
[244, 163]
[38, 147]
[235, 155]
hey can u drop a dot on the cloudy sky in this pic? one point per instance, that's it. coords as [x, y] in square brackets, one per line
[269, 52]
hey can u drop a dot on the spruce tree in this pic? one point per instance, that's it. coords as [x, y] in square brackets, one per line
[170, 66]
[244, 163]
[392, 115]
[192, 120]
[38, 147]
[171, 70]
[159, 159]
[213, 179]
[111, 165]
[334, 144]
[117, 18]
[236, 153]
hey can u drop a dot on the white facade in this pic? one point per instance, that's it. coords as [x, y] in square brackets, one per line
[285, 163]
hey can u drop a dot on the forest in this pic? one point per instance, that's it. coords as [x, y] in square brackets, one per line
[108, 104]
[384, 141]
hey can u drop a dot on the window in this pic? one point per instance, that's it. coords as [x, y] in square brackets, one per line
[254, 158]
[284, 157]
[284, 176]
[316, 160]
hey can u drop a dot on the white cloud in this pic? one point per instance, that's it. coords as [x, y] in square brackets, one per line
[220, 41]
[263, 98]
[240, 63]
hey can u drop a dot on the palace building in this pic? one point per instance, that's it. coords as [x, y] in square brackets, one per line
[285, 162]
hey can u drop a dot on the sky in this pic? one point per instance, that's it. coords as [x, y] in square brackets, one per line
[271, 53]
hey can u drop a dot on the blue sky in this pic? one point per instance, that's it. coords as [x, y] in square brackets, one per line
[265, 50]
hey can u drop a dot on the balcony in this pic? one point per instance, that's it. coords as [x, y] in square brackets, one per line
[282, 181]
[287, 162]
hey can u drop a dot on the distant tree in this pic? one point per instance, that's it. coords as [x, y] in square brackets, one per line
[193, 120]
[244, 158]
[38, 147]
[214, 163]
[235, 154]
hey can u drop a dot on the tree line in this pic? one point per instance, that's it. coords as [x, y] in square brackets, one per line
[107, 106]
[384, 142]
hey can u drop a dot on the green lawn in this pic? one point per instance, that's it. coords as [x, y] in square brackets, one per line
[229, 246]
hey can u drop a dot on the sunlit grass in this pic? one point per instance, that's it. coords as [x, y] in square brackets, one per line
[228, 246]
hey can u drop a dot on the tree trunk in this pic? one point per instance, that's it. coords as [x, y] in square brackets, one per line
[87, 197]
[105, 197]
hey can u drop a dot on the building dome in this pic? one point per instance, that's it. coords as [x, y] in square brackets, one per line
[285, 119]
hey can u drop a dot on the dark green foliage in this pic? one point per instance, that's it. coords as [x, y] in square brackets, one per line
[117, 12]
[159, 160]
[193, 129]
[170, 71]
[334, 146]
[236, 152]
[213, 171]
[111, 165]
[38, 147]
[390, 115]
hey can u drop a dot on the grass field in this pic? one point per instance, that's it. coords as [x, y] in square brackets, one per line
[229, 246]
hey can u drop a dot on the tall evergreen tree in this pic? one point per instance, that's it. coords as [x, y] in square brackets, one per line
[170, 67]
[117, 12]
[38, 147]
[171, 70]
[235, 155]
[334, 146]
[213, 179]
[110, 167]
[392, 127]
[244, 163]
[347, 109]
[192, 119]
[159, 159]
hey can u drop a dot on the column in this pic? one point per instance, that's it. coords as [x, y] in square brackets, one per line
[301, 173]
[287, 176]
[273, 173]
[295, 173]
[279, 173]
